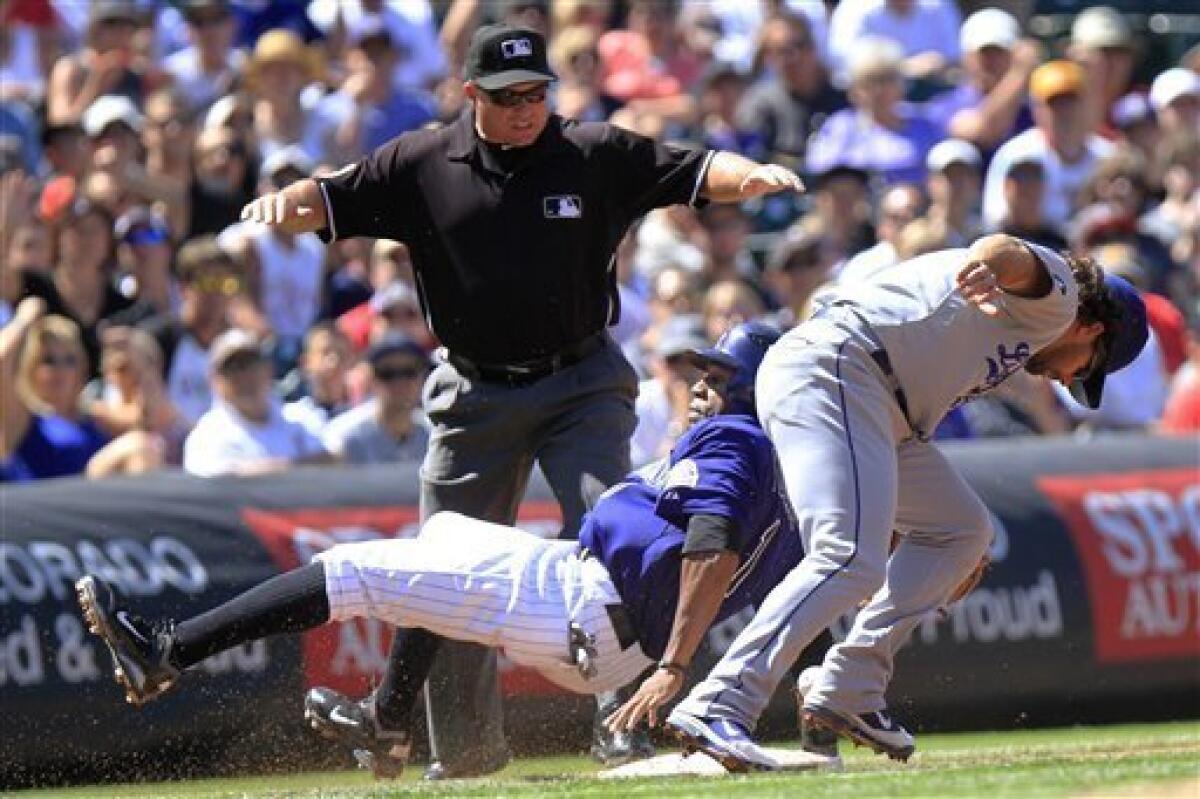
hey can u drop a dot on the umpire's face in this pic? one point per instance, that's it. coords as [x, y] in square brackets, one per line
[515, 115]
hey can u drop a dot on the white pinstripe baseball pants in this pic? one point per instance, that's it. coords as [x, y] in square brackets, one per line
[471, 580]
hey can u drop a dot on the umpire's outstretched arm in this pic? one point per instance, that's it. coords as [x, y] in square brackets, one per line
[297, 209]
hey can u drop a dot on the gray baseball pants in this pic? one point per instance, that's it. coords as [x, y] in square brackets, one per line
[854, 473]
[575, 424]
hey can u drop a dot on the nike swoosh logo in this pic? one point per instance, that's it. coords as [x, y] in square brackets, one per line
[337, 717]
[123, 620]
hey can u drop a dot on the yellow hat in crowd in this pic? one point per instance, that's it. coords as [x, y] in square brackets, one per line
[283, 46]
[1056, 78]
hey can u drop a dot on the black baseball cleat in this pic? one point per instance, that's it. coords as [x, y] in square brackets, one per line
[876, 731]
[618, 748]
[352, 724]
[139, 650]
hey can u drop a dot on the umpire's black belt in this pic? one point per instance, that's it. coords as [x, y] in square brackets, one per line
[878, 355]
[528, 372]
[618, 616]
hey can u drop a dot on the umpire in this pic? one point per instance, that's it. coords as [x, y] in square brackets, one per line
[512, 216]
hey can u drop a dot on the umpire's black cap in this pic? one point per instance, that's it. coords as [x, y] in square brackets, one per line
[501, 55]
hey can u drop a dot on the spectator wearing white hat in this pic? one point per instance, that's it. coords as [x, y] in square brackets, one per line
[927, 31]
[1103, 44]
[1175, 96]
[245, 432]
[954, 184]
[113, 125]
[990, 105]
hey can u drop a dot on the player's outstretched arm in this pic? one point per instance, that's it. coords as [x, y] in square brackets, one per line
[731, 178]
[704, 580]
[297, 209]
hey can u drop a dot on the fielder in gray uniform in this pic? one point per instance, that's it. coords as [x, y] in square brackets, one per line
[849, 400]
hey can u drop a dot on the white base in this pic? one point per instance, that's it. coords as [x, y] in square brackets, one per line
[701, 764]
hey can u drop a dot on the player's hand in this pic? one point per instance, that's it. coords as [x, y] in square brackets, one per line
[769, 179]
[658, 689]
[980, 285]
[278, 210]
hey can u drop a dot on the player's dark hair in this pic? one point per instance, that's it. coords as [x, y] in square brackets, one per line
[1095, 303]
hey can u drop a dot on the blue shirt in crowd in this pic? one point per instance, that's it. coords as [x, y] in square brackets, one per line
[53, 446]
[850, 138]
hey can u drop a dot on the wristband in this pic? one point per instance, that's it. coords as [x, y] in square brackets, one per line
[673, 667]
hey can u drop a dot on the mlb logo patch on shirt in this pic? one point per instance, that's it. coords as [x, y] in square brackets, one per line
[563, 206]
[516, 48]
[685, 474]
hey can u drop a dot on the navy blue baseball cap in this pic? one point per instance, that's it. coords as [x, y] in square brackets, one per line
[1121, 342]
[396, 343]
[740, 350]
[501, 55]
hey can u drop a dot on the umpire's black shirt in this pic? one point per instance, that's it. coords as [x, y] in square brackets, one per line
[512, 248]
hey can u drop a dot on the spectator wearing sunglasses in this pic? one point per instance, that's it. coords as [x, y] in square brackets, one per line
[388, 428]
[43, 366]
[512, 216]
[209, 286]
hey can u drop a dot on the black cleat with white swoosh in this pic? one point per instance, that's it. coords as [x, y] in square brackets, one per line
[352, 723]
[139, 650]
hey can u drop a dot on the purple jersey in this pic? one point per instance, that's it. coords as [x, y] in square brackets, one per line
[724, 466]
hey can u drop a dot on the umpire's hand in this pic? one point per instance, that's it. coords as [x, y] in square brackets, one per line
[297, 209]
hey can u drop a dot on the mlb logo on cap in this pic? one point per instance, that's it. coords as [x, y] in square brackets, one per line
[563, 206]
[516, 48]
[504, 55]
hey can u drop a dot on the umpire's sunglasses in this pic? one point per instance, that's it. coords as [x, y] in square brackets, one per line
[511, 98]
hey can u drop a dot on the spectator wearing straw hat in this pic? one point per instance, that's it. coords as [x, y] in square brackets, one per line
[280, 68]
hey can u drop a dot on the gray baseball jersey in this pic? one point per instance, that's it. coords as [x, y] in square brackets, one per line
[854, 470]
[943, 350]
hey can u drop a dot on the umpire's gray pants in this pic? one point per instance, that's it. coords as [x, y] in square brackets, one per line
[576, 425]
[853, 474]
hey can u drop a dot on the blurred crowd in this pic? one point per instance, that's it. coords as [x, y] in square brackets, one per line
[145, 327]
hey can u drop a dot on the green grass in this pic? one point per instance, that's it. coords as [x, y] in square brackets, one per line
[1132, 760]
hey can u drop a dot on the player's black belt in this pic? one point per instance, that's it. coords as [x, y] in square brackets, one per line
[618, 615]
[528, 372]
